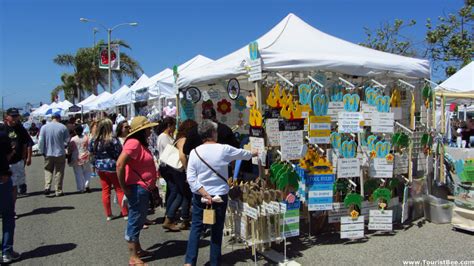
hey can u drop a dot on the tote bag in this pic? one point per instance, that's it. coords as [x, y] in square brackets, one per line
[170, 156]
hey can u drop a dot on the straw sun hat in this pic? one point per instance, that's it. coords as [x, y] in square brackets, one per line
[140, 123]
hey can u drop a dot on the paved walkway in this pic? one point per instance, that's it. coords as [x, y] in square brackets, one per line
[72, 230]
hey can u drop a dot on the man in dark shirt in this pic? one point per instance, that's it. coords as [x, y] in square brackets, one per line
[224, 133]
[7, 209]
[33, 130]
[20, 143]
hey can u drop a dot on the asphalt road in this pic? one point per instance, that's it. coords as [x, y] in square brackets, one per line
[72, 230]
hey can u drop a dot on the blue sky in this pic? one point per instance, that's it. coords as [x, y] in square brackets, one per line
[32, 32]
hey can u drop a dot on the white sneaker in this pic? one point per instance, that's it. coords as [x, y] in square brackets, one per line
[109, 218]
[125, 218]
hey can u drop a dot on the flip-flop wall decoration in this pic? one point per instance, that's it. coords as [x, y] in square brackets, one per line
[336, 93]
[349, 149]
[382, 103]
[304, 91]
[320, 105]
[351, 102]
[335, 139]
[382, 149]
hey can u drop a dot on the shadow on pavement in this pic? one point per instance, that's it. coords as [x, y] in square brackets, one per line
[48, 210]
[171, 249]
[48, 250]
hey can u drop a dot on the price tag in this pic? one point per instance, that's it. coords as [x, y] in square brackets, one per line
[250, 212]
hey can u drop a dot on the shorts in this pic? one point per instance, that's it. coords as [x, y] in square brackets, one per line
[18, 173]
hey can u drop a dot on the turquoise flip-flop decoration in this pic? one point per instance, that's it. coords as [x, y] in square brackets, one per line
[320, 104]
[370, 95]
[336, 93]
[371, 142]
[304, 91]
[351, 102]
[253, 50]
[348, 149]
[382, 149]
[335, 139]
[383, 103]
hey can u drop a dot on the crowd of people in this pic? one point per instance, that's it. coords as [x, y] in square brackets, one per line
[128, 158]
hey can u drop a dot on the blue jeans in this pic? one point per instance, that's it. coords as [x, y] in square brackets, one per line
[7, 210]
[137, 210]
[184, 191]
[197, 226]
[171, 190]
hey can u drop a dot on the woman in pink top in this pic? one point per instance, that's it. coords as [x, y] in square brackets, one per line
[137, 176]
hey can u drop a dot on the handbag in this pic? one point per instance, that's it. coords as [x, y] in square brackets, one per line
[170, 156]
[156, 199]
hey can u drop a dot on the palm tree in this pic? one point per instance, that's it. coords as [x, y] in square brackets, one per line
[88, 75]
[69, 88]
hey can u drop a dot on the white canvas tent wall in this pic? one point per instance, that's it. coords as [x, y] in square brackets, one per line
[152, 85]
[41, 111]
[139, 84]
[165, 87]
[83, 103]
[94, 104]
[65, 104]
[294, 45]
[119, 96]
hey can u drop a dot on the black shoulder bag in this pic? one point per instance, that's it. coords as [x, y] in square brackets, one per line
[154, 191]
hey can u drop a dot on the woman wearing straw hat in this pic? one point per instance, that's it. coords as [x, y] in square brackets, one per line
[137, 176]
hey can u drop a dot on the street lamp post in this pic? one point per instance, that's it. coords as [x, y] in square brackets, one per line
[109, 34]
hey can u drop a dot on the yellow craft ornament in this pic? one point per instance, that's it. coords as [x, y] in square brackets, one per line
[274, 97]
[354, 214]
[255, 117]
[396, 99]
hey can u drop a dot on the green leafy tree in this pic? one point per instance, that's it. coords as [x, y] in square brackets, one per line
[389, 38]
[88, 76]
[69, 87]
[451, 41]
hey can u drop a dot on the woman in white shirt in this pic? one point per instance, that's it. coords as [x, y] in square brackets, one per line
[80, 159]
[207, 174]
[167, 128]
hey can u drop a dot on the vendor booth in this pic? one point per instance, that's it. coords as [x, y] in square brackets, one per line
[337, 127]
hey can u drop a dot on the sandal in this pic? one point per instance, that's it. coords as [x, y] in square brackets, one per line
[144, 253]
[150, 222]
[145, 226]
[136, 263]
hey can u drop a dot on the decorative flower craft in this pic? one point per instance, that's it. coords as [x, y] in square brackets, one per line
[224, 107]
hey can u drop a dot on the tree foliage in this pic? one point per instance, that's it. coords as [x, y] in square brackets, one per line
[389, 38]
[451, 41]
[87, 74]
[449, 44]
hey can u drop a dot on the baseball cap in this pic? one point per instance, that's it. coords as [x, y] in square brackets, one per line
[13, 112]
[56, 115]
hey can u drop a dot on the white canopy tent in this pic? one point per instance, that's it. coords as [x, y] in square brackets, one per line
[152, 82]
[119, 96]
[294, 45]
[64, 104]
[83, 103]
[94, 104]
[41, 111]
[139, 84]
[164, 87]
[461, 82]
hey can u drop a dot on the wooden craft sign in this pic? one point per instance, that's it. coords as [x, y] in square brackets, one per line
[352, 228]
[334, 108]
[273, 132]
[382, 122]
[368, 110]
[319, 129]
[255, 71]
[381, 220]
[257, 144]
[320, 192]
[291, 219]
[350, 122]
[348, 167]
[250, 212]
[291, 139]
[380, 168]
